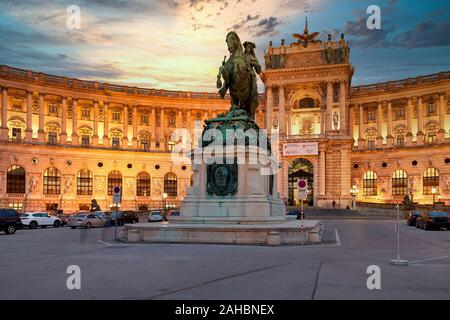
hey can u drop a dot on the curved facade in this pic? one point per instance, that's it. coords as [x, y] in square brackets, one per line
[64, 142]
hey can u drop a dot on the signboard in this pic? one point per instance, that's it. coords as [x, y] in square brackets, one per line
[302, 184]
[117, 194]
[302, 194]
[301, 149]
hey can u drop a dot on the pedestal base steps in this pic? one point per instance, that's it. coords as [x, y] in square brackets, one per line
[215, 232]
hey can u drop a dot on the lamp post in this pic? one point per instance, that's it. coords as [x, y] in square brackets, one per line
[354, 191]
[164, 206]
[433, 191]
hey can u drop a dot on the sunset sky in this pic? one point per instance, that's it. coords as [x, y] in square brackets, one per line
[179, 44]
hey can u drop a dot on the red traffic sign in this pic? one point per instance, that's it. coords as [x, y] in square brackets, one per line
[302, 184]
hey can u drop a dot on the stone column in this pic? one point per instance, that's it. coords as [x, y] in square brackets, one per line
[29, 129]
[343, 107]
[409, 112]
[153, 122]
[380, 125]
[188, 119]
[420, 134]
[322, 173]
[390, 137]
[269, 109]
[352, 121]
[345, 174]
[322, 121]
[361, 139]
[95, 135]
[63, 136]
[4, 127]
[281, 111]
[105, 124]
[442, 107]
[162, 136]
[289, 123]
[180, 118]
[125, 126]
[329, 113]
[75, 140]
[41, 131]
[135, 128]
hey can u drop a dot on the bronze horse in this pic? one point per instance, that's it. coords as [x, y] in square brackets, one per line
[239, 77]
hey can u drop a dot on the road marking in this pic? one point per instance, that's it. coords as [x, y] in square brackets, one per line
[431, 259]
[430, 265]
[105, 243]
[338, 239]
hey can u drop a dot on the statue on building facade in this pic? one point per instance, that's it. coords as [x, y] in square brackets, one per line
[239, 75]
[329, 51]
[306, 38]
[343, 51]
[335, 120]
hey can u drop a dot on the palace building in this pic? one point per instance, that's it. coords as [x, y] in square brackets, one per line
[65, 141]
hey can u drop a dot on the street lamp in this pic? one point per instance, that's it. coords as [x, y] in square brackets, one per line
[433, 191]
[164, 206]
[354, 191]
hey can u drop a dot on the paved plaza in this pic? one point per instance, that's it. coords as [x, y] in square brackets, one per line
[34, 264]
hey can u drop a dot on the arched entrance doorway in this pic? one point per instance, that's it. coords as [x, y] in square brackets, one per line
[300, 169]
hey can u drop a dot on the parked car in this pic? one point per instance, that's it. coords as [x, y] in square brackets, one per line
[433, 220]
[86, 220]
[412, 217]
[297, 213]
[155, 216]
[123, 217]
[9, 221]
[39, 219]
[174, 213]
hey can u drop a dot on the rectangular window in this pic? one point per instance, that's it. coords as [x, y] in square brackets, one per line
[371, 144]
[116, 116]
[85, 140]
[16, 205]
[53, 109]
[16, 134]
[431, 138]
[116, 142]
[400, 113]
[52, 137]
[171, 145]
[86, 114]
[371, 116]
[400, 141]
[144, 145]
[144, 119]
[431, 109]
[172, 122]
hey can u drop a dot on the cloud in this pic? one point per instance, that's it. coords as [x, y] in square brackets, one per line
[266, 26]
[361, 36]
[425, 34]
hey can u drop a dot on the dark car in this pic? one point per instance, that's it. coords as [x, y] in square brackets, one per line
[174, 213]
[123, 217]
[10, 221]
[296, 212]
[433, 220]
[412, 217]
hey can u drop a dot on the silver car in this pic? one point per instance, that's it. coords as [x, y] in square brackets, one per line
[86, 220]
[155, 216]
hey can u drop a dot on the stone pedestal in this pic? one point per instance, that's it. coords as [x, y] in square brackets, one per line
[389, 141]
[420, 138]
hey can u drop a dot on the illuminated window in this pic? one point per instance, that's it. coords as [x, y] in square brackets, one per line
[53, 109]
[371, 116]
[52, 181]
[16, 134]
[84, 182]
[52, 137]
[431, 137]
[116, 115]
[170, 184]
[431, 109]
[144, 144]
[400, 141]
[144, 119]
[371, 144]
[86, 113]
[114, 180]
[430, 181]
[171, 145]
[15, 180]
[399, 183]
[370, 183]
[143, 184]
[400, 113]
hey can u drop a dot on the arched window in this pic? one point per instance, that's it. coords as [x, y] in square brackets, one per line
[84, 182]
[370, 183]
[430, 181]
[52, 181]
[170, 184]
[15, 180]
[399, 183]
[114, 179]
[143, 184]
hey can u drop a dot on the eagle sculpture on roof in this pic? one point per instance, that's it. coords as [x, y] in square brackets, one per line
[305, 38]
